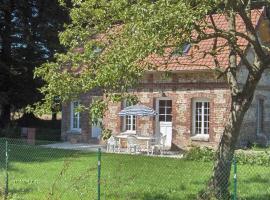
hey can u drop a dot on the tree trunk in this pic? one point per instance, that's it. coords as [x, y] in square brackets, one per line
[54, 116]
[220, 179]
[218, 187]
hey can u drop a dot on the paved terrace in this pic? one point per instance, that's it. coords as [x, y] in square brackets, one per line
[94, 148]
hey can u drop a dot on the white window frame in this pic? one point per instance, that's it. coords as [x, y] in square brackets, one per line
[77, 129]
[203, 100]
[132, 131]
[165, 114]
[260, 115]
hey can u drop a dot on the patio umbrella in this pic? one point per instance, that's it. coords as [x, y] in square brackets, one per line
[138, 110]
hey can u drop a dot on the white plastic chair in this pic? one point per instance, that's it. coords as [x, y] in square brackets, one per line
[158, 143]
[132, 143]
[113, 144]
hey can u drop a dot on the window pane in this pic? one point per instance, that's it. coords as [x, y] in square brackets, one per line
[162, 103]
[162, 118]
[260, 115]
[134, 123]
[128, 122]
[201, 117]
[169, 103]
[168, 118]
[169, 111]
[161, 110]
[75, 115]
[79, 120]
[75, 125]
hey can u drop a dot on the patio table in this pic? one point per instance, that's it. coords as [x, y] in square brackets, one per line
[147, 139]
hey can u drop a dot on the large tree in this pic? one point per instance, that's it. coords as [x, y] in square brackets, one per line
[28, 37]
[109, 42]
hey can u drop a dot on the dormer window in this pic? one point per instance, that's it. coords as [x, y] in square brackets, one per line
[182, 49]
[186, 48]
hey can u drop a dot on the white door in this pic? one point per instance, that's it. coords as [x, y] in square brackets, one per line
[96, 128]
[164, 120]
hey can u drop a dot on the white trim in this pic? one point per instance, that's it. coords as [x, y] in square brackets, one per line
[125, 130]
[200, 137]
[194, 101]
[76, 130]
[157, 116]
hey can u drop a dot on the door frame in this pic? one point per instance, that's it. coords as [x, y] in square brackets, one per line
[157, 110]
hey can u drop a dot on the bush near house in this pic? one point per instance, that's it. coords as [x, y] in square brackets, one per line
[252, 157]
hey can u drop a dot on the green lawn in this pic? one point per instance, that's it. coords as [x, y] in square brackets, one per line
[38, 173]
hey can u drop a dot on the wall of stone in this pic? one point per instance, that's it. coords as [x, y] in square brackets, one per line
[249, 128]
[182, 94]
[182, 88]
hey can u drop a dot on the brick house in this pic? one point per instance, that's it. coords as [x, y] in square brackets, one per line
[192, 104]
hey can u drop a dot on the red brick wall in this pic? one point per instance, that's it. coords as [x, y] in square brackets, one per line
[181, 95]
[182, 89]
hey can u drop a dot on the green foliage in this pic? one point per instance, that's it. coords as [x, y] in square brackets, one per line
[125, 33]
[242, 157]
[253, 157]
[200, 154]
[97, 110]
[106, 134]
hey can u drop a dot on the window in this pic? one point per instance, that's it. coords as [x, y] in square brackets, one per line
[130, 120]
[165, 110]
[75, 116]
[201, 117]
[182, 49]
[260, 115]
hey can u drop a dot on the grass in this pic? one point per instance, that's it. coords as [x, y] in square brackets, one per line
[40, 173]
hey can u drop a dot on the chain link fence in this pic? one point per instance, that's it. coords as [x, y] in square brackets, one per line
[36, 171]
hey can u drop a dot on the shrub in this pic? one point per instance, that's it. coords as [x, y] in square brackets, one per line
[200, 154]
[242, 157]
[253, 158]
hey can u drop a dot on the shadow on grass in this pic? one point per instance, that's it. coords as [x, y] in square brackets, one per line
[31, 153]
[256, 197]
[257, 179]
[11, 192]
[162, 196]
[151, 195]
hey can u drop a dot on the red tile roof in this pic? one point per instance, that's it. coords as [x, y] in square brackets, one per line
[196, 58]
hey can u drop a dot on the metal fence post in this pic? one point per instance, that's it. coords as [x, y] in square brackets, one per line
[99, 171]
[234, 179]
[6, 181]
